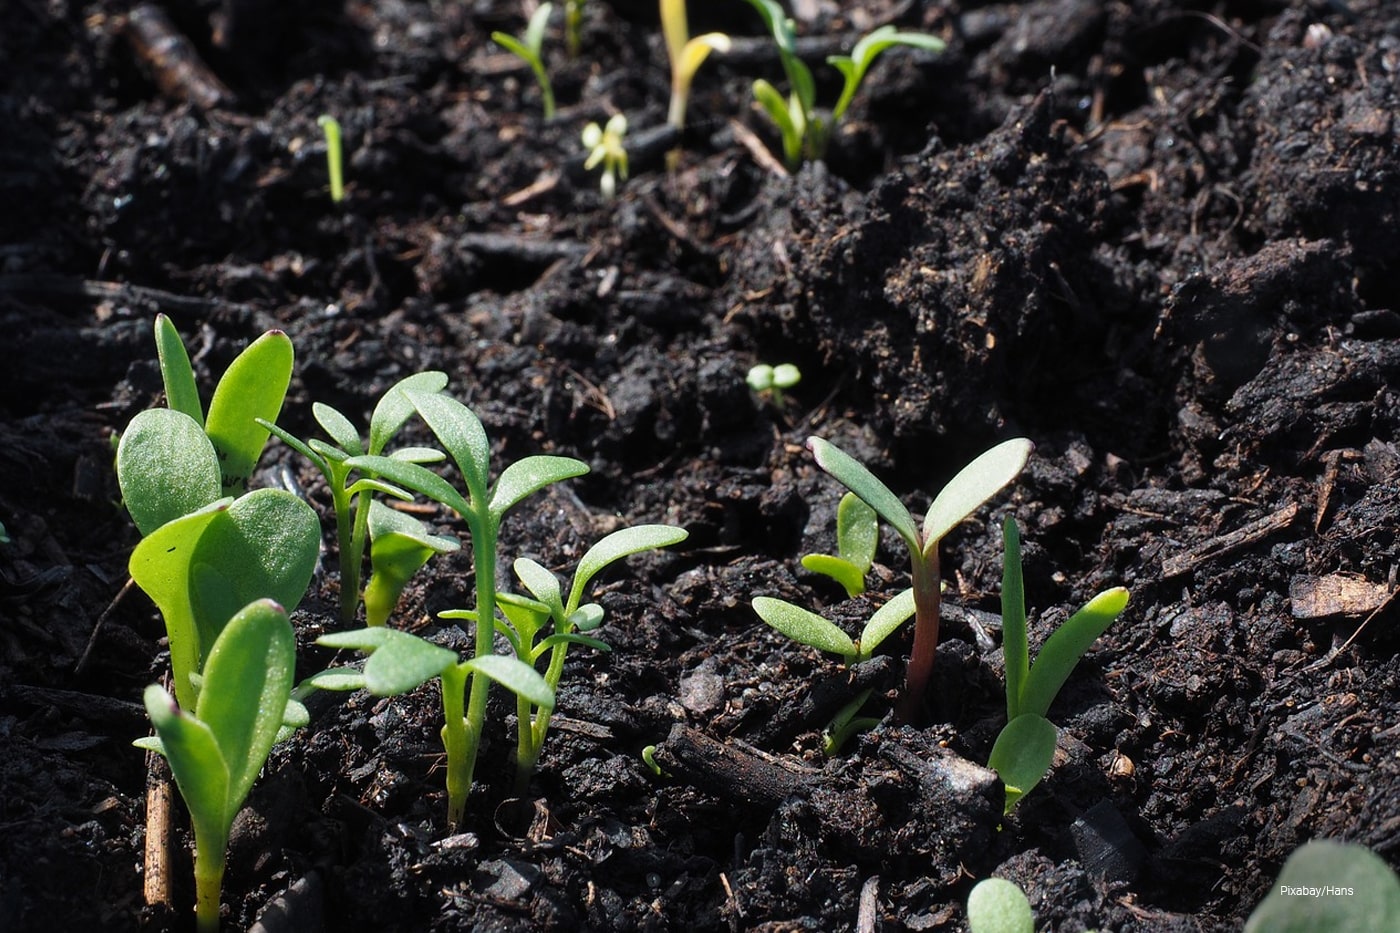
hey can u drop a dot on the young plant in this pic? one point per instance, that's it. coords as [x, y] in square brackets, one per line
[805, 131]
[999, 906]
[604, 145]
[687, 55]
[546, 626]
[350, 500]
[482, 508]
[330, 126]
[216, 751]
[1025, 748]
[205, 554]
[530, 48]
[400, 546]
[965, 492]
[857, 536]
[770, 381]
[573, 26]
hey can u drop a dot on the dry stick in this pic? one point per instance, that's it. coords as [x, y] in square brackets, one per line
[97, 628]
[1228, 543]
[732, 770]
[866, 915]
[158, 800]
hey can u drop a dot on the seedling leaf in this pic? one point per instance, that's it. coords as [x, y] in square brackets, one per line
[253, 387]
[854, 66]
[853, 474]
[166, 468]
[181, 393]
[622, 543]
[542, 584]
[999, 906]
[525, 477]
[461, 434]
[398, 661]
[806, 627]
[1062, 650]
[1372, 901]
[851, 577]
[196, 761]
[1022, 754]
[401, 546]
[516, 676]
[885, 621]
[339, 427]
[412, 476]
[1015, 647]
[974, 484]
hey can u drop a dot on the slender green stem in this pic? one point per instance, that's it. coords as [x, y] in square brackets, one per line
[210, 856]
[458, 741]
[927, 613]
[527, 750]
[483, 532]
[351, 569]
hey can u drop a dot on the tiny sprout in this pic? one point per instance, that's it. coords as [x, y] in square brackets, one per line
[530, 48]
[605, 147]
[649, 758]
[687, 55]
[772, 380]
[857, 536]
[334, 156]
[573, 26]
[1025, 748]
[999, 906]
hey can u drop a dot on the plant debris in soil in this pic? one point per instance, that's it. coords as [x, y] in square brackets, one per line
[1157, 239]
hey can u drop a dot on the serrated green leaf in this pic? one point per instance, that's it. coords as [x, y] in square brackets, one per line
[461, 434]
[248, 677]
[339, 427]
[181, 392]
[886, 620]
[525, 477]
[854, 475]
[804, 626]
[1022, 754]
[166, 468]
[621, 543]
[253, 387]
[516, 676]
[974, 484]
[1063, 649]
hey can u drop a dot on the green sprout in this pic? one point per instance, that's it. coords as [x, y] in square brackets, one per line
[604, 145]
[687, 55]
[772, 380]
[217, 749]
[330, 126]
[1025, 748]
[965, 493]
[806, 132]
[857, 536]
[546, 626]
[530, 48]
[400, 546]
[350, 500]
[404, 660]
[205, 554]
[573, 26]
[999, 906]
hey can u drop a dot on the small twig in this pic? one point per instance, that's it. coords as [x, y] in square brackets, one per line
[97, 628]
[158, 799]
[1229, 543]
[867, 915]
[761, 153]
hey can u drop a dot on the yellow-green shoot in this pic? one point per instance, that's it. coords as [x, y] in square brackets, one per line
[687, 55]
[530, 48]
[330, 127]
[605, 148]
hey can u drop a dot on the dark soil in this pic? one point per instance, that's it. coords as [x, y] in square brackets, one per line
[1157, 238]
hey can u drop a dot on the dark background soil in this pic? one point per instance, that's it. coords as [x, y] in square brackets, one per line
[1157, 238]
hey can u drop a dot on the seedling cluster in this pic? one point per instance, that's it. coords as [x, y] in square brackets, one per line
[221, 564]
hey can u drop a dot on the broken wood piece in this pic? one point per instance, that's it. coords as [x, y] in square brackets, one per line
[172, 60]
[1229, 543]
[733, 770]
[156, 882]
[1337, 594]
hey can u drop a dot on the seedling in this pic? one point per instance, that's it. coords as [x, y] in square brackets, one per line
[334, 461]
[330, 126]
[999, 906]
[216, 751]
[687, 55]
[965, 492]
[805, 132]
[573, 26]
[546, 626]
[400, 546]
[408, 662]
[530, 48]
[205, 554]
[857, 536]
[1025, 748]
[604, 145]
[770, 381]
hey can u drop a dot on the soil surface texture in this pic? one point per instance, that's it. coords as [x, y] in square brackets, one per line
[1157, 238]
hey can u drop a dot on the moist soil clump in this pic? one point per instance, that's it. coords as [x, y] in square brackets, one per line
[1157, 240]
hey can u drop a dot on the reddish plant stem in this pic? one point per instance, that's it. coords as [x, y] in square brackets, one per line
[927, 613]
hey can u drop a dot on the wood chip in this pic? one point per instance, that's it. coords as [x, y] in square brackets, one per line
[1229, 543]
[1337, 594]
